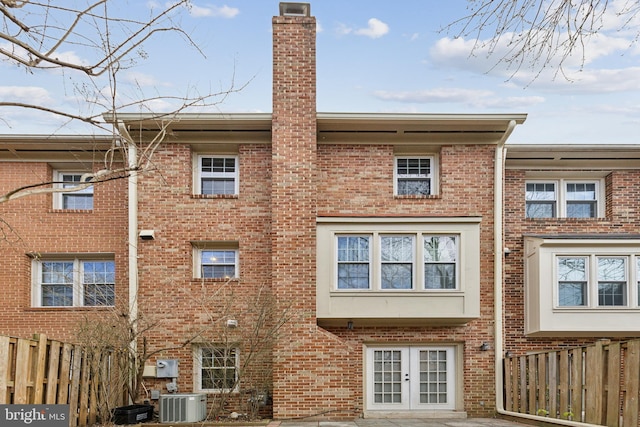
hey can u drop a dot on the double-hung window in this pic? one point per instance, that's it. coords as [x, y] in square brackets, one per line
[563, 199]
[217, 175]
[385, 262]
[414, 176]
[215, 260]
[75, 192]
[74, 282]
[354, 262]
[217, 368]
[396, 262]
[593, 281]
[440, 262]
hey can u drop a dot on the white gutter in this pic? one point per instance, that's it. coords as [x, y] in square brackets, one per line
[498, 288]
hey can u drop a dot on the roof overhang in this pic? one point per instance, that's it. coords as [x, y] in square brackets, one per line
[573, 156]
[363, 128]
[201, 130]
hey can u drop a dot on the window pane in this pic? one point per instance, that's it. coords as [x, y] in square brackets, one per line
[218, 368]
[572, 282]
[440, 276]
[581, 200]
[581, 209]
[57, 283]
[440, 258]
[218, 186]
[440, 248]
[353, 248]
[397, 276]
[353, 262]
[541, 210]
[418, 187]
[413, 176]
[397, 262]
[396, 248]
[99, 283]
[611, 294]
[540, 200]
[218, 264]
[638, 277]
[77, 201]
[581, 191]
[612, 281]
[353, 276]
[81, 199]
[571, 294]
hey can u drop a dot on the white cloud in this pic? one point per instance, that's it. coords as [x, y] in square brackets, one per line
[213, 11]
[33, 95]
[142, 79]
[470, 97]
[479, 57]
[375, 29]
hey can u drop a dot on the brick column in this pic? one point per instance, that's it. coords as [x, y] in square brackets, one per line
[309, 364]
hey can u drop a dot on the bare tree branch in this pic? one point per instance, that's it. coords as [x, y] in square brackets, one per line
[541, 34]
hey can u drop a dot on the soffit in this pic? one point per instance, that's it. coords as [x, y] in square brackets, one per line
[573, 156]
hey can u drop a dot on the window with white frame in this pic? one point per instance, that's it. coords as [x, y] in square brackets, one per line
[217, 175]
[73, 283]
[396, 261]
[563, 199]
[216, 368]
[354, 265]
[594, 280]
[414, 176]
[80, 198]
[440, 262]
[216, 261]
[396, 266]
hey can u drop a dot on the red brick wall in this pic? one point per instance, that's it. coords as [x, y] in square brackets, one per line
[31, 225]
[621, 217]
[311, 373]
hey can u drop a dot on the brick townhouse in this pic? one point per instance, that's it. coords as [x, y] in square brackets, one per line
[398, 256]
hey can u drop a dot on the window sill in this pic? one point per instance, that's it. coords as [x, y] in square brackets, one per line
[417, 197]
[565, 219]
[214, 196]
[77, 211]
[74, 308]
[214, 280]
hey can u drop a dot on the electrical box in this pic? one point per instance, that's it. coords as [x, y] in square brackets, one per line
[149, 371]
[167, 368]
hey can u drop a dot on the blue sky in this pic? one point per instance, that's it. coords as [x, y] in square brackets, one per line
[372, 56]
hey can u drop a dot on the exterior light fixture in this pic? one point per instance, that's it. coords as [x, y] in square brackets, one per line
[484, 346]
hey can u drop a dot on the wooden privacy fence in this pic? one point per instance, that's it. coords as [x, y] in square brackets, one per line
[42, 371]
[596, 384]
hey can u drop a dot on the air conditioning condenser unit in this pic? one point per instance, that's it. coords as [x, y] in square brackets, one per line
[183, 407]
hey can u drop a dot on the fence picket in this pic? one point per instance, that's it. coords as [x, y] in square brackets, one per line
[40, 360]
[21, 381]
[613, 385]
[631, 380]
[52, 373]
[5, 369]
[39, 370]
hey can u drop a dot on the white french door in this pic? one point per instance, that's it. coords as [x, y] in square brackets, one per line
[410, 378]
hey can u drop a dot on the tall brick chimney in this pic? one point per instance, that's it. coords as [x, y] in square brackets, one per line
[293, 187]
[294, 195]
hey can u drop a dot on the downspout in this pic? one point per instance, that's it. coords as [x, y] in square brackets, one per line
[132, 166]
[498, 288]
